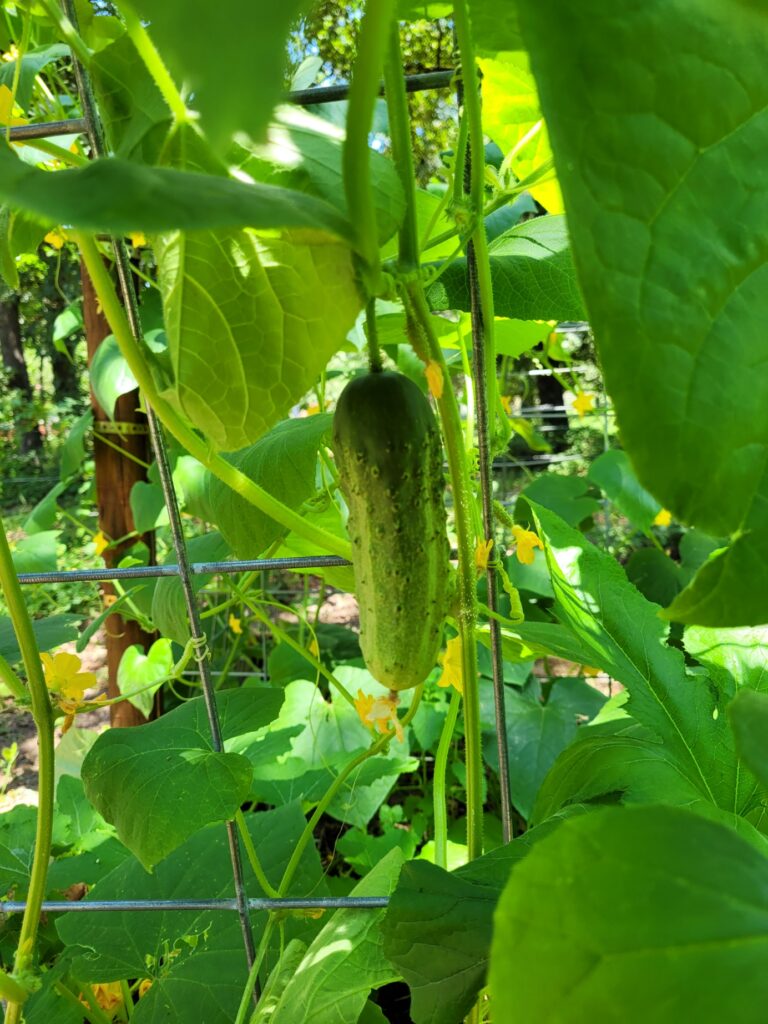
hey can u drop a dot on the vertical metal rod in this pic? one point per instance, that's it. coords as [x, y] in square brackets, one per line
[482, 420]
[128, 292]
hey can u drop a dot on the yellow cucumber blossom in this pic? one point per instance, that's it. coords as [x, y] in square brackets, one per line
[584, 402]
[526, 541]
[137, 239]
[100, 543]
[55, 238]
[663, 518]
[435, 381]
[482, 554]
[452, 662]
[235, 624]
[63, 675]
[378, 713]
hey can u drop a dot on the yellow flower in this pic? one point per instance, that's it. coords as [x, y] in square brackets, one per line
[506, 401]
[435, 380]
[378, 713]
[482, 554]
[451, 660]
[100, 543]
[234, 624]
[313, 409]
[144, 986]
[584, 402]
[8, 108]
[108, 600]
[137, 239]
[108, 994]
[11, 54]
[526, 541]
[314, 648]
[663, 518]
[63, 675]
[55, 238]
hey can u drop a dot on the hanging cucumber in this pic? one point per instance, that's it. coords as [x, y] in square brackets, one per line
[390, 461]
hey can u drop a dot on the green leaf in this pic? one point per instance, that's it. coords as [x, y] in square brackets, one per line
[195, 959]
[512, 117]
[734, 657]
[666, 219]
[115, 196]
[135, 116]
[530, 640]
[32, 63]
[73, 449]
[612, 472]
[36, 553]
[236, 94]
[110, 376]
[649, 900]
[345, 961]
[17, 840]
[655, 575]
[274, 309]
[147, 506]
[43, 515]
[532, 271]
[159, 783]
[277, 981]
[283, 462]
[138, 671]
[629, 641]
[537, 733]
[169, 610]
[304, 152]
[568, 496]
[19, 234]
[748, 713]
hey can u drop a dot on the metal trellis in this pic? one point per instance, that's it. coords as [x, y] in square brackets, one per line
[90, 124]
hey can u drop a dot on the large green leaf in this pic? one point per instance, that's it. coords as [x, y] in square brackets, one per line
[735, 657]
[345, 961]
[613, 474]
[438, 927]
[304, 152]
[749, 718]
[168, 606]
[32, 63]
[194, 959]
[133, 111]
[532, 271]
[283, 462]
[159, 783]
[512, 118]
[638, 914]
[626, 638]
[237, 93]
[568, 496]
[140, 674]
[273, 309]
[50, 632]
[116, 196]
[666, 211]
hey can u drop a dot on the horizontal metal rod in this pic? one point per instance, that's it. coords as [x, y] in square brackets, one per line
[302, 98]
[286, 903]
[47, 130]
[140, 572]
[330, 93]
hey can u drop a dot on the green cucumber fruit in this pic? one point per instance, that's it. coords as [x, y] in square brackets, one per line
[390, 460]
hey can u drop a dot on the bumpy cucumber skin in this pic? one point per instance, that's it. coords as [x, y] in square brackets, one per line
[390, 461]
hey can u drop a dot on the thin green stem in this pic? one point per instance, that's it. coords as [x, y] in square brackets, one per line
[372, 334]
[479, 239]
[253, 856]
[154, 64]
[363, 93]
[424, 337]
[438, 781]
[400, 137]
[43, 718]
[194, 444]
[25, 30]
[333, 789]
[68, 32]
[261, 952]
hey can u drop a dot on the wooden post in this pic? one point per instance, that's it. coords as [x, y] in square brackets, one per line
[115, 476]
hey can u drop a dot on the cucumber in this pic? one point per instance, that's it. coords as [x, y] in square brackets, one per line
[390, 460]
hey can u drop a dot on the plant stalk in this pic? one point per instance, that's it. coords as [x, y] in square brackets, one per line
[42, 714]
